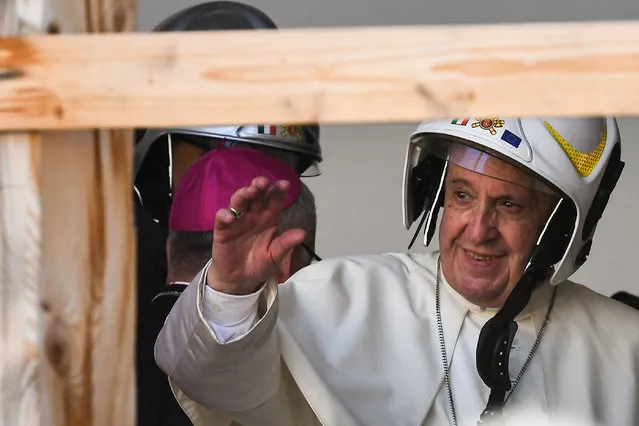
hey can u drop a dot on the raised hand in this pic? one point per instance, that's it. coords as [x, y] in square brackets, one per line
[247, 248]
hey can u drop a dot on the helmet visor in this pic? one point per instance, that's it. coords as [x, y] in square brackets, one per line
[479, 159]
[304, 165]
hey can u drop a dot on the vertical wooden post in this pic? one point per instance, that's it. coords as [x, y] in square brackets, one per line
[20, 236]
[89, 257]
[88, 279]
[67, 257]
[20, 253]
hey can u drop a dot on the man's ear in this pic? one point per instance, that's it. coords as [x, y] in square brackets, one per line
[285, 269]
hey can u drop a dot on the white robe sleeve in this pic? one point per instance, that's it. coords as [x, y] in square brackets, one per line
[230, 316]
[235, 372]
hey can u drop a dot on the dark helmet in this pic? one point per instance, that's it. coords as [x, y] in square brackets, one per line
[217, 15]
[298, 146]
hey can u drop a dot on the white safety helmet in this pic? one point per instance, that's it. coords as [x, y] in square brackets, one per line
[579, 159]
[296, 145]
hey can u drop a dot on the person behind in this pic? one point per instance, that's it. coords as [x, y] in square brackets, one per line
[489, 327]
[207, 186]
[162, 157]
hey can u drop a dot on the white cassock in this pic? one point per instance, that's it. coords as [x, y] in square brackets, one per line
[354, 341]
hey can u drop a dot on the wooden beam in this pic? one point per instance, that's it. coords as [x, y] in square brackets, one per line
[67, 258]
[326, 75]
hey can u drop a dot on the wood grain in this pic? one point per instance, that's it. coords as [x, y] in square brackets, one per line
[20, 254]
[89, 286]
[336, 75]
[67, 257]
[89, 257]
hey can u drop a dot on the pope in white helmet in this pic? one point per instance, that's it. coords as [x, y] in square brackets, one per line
[488, 328]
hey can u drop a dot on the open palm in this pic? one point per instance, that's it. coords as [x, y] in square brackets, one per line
[247, 250]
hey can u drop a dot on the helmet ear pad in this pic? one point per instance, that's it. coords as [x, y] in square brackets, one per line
[427, 189]
[609, 181]
[555, 239]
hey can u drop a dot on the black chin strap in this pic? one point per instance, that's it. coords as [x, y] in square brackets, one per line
[495, 341]
[496, 337]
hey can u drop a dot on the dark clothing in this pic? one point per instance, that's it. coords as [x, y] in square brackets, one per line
[156, 404]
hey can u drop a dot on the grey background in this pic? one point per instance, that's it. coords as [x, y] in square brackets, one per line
[359, 193]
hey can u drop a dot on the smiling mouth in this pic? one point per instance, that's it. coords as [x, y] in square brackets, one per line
[479, 257]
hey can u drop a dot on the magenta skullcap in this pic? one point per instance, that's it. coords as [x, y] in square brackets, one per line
[209, 183]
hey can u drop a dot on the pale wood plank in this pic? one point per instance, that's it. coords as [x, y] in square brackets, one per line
[20, 254]
[89, 253]
[89, 285]
[326, 75]
[67, 254]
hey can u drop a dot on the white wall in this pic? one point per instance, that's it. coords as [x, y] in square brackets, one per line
[359, 192]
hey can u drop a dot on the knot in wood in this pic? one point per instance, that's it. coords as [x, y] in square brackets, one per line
[56, 348]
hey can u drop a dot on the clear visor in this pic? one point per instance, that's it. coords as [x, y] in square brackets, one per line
[482, 161]
[304, 165]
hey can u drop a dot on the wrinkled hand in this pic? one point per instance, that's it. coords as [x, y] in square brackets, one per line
[248, 250]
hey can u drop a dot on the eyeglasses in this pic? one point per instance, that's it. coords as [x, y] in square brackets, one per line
[311, 252]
